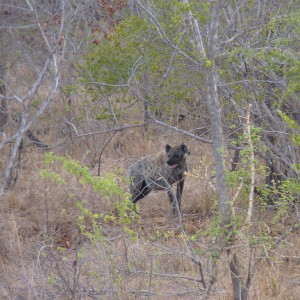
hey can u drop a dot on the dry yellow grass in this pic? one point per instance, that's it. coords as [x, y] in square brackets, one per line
[43, 254]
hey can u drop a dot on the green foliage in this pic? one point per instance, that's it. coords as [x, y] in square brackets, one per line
[69, 89]
[215, 229]
[108, 186]
[295, 127]
[208, 63]
[290, 188]
[52, 279]
[37, 102]
[113, 60]
[267, 55]
[53, 176]
[88, 223]
[241, 176]
[105, 114]
[135, 49]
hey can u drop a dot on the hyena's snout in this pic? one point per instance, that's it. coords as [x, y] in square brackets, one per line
[172, 163]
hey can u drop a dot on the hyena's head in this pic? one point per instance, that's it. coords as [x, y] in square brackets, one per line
[176, 156]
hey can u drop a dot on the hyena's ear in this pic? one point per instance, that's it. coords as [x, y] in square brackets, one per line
[184, 148]
[168, 148]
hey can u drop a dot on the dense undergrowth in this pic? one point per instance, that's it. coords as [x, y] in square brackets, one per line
[70, 234]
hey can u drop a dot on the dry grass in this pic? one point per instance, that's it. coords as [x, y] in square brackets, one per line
[44, 256]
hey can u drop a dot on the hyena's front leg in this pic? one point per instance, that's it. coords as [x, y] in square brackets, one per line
[174, 202]
[179, 191]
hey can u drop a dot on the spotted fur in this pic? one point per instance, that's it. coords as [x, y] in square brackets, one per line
[159, 172]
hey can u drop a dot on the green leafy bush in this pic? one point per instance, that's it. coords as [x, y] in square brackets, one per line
[90, 223]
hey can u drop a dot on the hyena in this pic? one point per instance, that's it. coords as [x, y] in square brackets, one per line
[159, 172]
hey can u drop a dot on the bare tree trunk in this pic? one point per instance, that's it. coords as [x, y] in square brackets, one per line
[7, 176]
[146, 102]
[213, 103]
[240, 293]
[218, 147]
[48, 76]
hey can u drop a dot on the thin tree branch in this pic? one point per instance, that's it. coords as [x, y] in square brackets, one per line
[120, 128]
[252, 168]
[187, 133]
[196, 137]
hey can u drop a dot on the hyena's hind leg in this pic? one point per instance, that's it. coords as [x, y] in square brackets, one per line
[138, 187]
[179, 191]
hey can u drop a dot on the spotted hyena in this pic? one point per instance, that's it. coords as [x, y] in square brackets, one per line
[159, 172]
